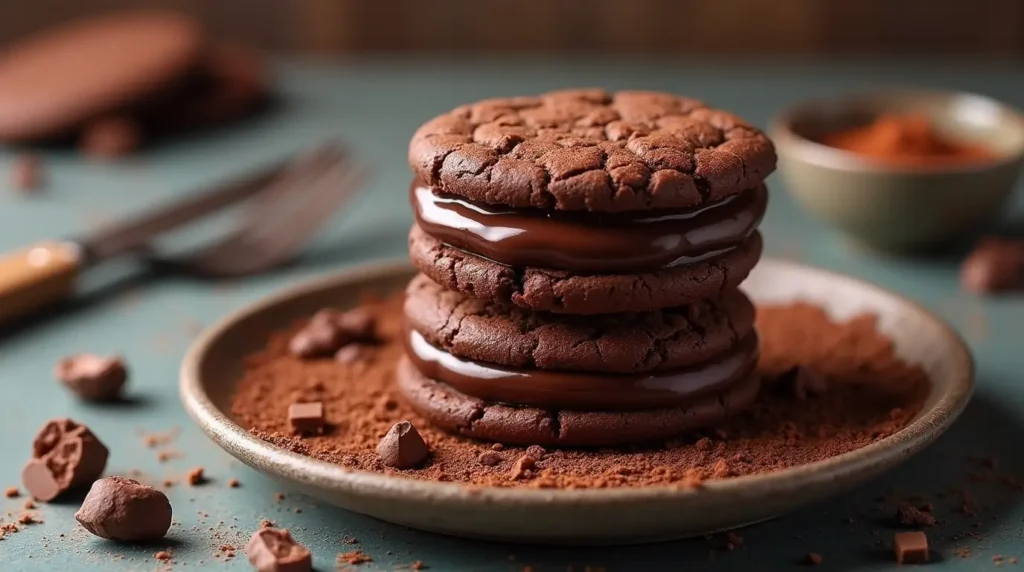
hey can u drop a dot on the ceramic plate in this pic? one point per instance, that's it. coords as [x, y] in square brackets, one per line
[628, 515]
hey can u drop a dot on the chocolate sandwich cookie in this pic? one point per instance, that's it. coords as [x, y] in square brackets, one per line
[562, 291]
[460, 413]
[54, 83]
[591, 150]
[475, 329]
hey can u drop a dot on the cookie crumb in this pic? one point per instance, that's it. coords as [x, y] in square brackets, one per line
[354, 557]
[233, 483]
[812, 559]
[279, 497]
[523, 467]
[12, 492]
[29, 505]
[489, 458]
[162, 556]
[909, 515]
[195, 477]
[266, 524]
[26, 173]
[350, 540]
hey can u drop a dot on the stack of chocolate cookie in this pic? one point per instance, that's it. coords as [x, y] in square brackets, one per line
[580, 256]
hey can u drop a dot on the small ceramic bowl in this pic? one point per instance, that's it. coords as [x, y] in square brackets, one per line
[901, 208]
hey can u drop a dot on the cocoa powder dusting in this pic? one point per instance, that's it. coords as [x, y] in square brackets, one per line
[870, 395]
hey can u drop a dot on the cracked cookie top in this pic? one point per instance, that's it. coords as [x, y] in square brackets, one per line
[591, 150]
[612, 343]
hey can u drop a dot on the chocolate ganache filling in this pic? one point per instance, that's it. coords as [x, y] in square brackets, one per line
[585, 391]
[590, 243]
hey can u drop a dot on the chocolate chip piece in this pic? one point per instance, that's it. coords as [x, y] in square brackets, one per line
[92, 377]
[119, 508]
[65, 455]
[489, 458]
[315, 340]
[909, 515]
[358, 325]
[994, 265]
[352, 353]
[26, 173]
[802, 382]
[910, 547]
[274, 550]
[306, 417]
[111, 137]
[523, 466]
[402, 447]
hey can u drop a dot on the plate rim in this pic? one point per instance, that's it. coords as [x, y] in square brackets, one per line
[293, 467]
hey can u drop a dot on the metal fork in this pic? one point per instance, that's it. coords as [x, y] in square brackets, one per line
[290, 202]
[278, 221]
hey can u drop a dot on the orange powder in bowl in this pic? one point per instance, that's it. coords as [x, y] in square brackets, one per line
[908, 139]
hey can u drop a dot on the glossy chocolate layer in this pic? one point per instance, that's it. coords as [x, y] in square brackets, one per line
[588, 242]
[583, 391]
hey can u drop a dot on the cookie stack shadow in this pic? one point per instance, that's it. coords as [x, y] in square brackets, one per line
[580, 254]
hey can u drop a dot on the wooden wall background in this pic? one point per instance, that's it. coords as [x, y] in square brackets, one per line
[723, 27]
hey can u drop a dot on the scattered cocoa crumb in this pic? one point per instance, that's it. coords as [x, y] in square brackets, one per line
[354, 557]
[168, 483]
[733, 541]
[164, 456]
[27, 518]
[909, 515]
[12, 492]
[418, 565]
[266, 524]
[153, 440]
[279, 497]
[162, 556]
[350, 540]
[29, 505]
[522, 467]
[26, 173]
[812, 559]
[497, 447]
[233, 483]
[963, 552]
[195, 477]
[489, 458]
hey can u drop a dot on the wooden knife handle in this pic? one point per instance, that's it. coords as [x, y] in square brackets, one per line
[36, 277]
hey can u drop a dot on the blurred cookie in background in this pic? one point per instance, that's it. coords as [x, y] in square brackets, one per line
[114, 82]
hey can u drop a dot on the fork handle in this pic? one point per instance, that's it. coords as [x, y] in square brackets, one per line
[36, 277]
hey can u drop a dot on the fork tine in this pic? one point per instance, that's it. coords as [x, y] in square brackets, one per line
[275, 243]
[271, 233]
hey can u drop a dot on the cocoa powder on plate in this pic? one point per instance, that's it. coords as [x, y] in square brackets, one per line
[869, 394]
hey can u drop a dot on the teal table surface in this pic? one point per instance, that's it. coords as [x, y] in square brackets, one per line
[375, 106]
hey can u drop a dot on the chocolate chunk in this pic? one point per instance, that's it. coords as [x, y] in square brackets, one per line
[26, 173]
[910, 547]
[195, 477]
[536, 451]
[315, 340]
[119, 508]
[800, 382]
[111, 137]
[92, 377]
[65, 455]
[489, 458]
[402, 447]
[909, 515]
[522, 467]
[358, 325]
[352, 353]
[306, 417]
[274, 550]
[995, 265]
